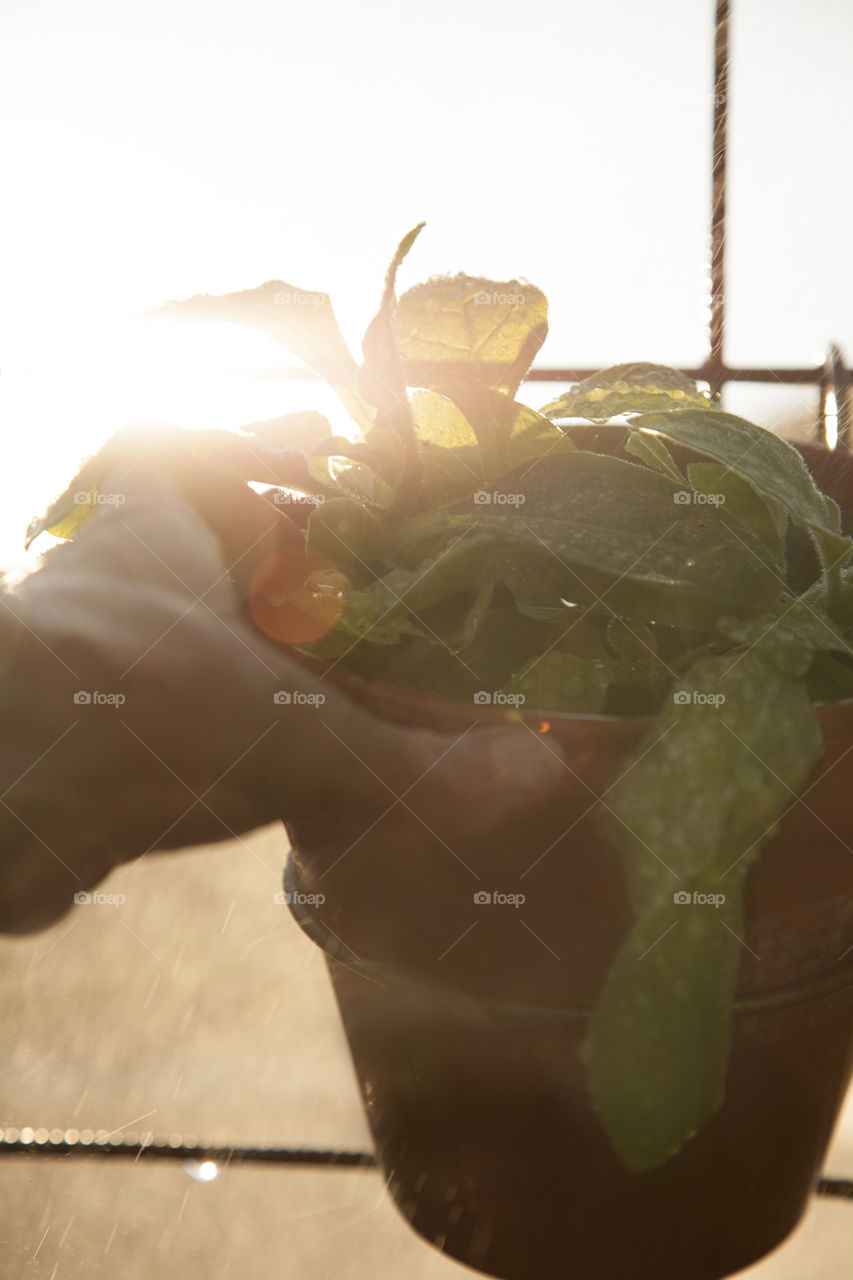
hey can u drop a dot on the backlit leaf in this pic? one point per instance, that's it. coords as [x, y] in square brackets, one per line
[486, 330]
[627, 388]
[300, 320]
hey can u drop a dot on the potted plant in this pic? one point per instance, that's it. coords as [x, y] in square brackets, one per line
[615, 1039]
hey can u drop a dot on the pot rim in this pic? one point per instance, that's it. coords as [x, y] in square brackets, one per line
[821, 985]
[452, 709]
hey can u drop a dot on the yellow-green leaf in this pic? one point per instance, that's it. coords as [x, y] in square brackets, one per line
[490, 331]
[300, 320]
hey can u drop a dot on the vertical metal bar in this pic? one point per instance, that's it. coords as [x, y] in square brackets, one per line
[716, 363]
[841, 388]
[822, 394]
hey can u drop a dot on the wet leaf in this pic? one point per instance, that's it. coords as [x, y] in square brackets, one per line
[565, 682]
[600, 531]
[653, 452]
[635, 643]
[692, 810]
[768, 463]
[628, 388]
[790, 637]
[764, 515]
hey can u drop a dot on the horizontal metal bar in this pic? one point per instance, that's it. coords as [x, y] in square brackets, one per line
[724, 373]
[703, 373]
[841, 1187]
[97, 1144]
[38, 1142]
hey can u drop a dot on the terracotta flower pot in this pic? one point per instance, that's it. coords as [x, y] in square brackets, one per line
[465, 1018]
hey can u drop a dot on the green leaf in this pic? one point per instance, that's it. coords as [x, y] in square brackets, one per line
[565, 682]
[509, 434]
[66, 515]
[764, 515]
[382, 382]
[635, 643]
[486, 330]
[302, 430]
[790, 637]
[767, 462]
[604, 532]
[653, 452]
[627, 388]
[830, 679]
[351, 536]
[380, 450]
[352, 479]
[300, 320]
[448, 449]
[684, 568]
[693, 809]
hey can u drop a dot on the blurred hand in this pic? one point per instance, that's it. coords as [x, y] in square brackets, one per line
[139, 705]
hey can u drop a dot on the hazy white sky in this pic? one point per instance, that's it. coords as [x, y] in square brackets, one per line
[156, 150]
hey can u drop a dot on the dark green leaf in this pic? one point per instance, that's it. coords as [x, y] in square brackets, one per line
[790, 637]
[830, 678]
[565, 682]
[767, 462]
[604, 532]
[692, 810]
[764, 515]
[349, 535]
